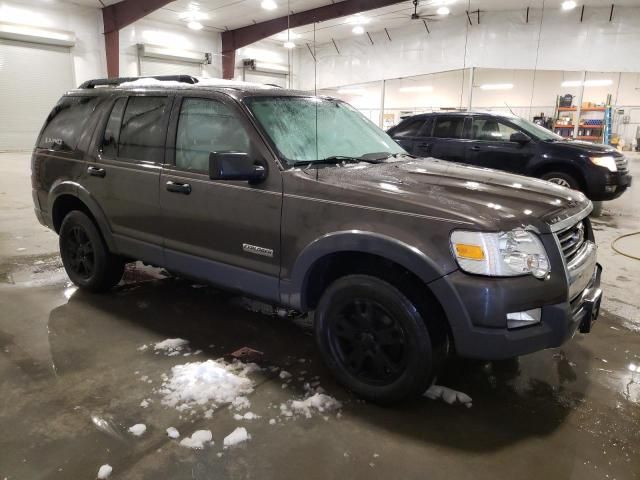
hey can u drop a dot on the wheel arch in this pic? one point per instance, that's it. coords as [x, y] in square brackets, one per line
[67, 196]
[563, 167]
[353, 247]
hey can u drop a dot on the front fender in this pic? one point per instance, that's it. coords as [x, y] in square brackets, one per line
[74, 189]
[293, 290]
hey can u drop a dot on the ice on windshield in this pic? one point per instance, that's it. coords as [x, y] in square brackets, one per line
[309, 128]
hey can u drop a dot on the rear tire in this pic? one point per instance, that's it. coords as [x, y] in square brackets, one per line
[374, 340]
[85, 255]
[561, 178]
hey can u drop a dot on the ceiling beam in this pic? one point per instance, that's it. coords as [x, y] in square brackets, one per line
[243, 36]
[121, 14]
[117, 16]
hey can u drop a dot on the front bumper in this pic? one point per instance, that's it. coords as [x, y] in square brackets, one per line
[608, 186]
[559, 322]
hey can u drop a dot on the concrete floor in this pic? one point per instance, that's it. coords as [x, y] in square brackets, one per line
[71, 382]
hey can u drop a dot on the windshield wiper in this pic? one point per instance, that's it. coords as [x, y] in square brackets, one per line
[335, 159]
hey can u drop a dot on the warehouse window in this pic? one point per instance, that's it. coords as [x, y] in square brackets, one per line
[207, 126]
[66, 122]
[449, 127]
[143, 129]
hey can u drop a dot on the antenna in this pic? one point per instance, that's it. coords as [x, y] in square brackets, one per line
[510, 109]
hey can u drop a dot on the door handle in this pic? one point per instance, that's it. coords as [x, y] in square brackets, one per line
[96, 172]
[176, 187]
[475, 148]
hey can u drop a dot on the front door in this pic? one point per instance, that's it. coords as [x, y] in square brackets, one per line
[491, 146]
[221, 231]
[124, 173]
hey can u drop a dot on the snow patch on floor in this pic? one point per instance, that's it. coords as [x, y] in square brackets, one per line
[104, 471]
[239, 435]
[246, 416]
[171, 345]
[449, 395]
[138, 429]
[316, 403]
[173, 432]
[209, 383]
[198, 439]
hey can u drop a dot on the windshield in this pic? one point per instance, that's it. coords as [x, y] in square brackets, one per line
[311, 129]
[535, 130]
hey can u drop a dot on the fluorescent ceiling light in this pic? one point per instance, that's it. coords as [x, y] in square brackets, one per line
[289, 44]
[351, 91]
[194, 25]
[588, 83]
[496, 86]
[569, 5]
[269, 5]
[284, 37]
[358, 30]
[598, 83]
[443, 11]
[416, 88]
[358, 19]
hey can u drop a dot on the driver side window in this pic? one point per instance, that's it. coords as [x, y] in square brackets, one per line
[491, 130]
[206, 126]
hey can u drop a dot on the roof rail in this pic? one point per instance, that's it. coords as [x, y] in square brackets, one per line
[100, 82]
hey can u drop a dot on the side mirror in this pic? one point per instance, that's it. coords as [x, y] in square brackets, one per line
[235, 166]
[519, 137]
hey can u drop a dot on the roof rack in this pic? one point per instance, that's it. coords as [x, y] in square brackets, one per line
[100, 82]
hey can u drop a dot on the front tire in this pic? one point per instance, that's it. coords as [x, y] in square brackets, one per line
[85, 255]
[561, 178]
[374, 339]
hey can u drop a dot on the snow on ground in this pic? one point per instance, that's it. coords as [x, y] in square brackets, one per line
[246, 416]
[104, 471]
[173, 432]
[138, 429]
[171, 346]
[198, 439]
[209, 383]
[316, 403]
[449, 395]
[239, 435]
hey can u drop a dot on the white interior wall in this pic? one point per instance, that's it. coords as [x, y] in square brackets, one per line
[270, 54]
[170, 36]
[502, 40]
[85, 22]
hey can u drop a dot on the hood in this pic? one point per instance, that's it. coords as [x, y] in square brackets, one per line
[585, 148]
[489, 199]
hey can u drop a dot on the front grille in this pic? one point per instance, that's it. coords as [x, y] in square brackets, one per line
[572, 239]
[622, 164]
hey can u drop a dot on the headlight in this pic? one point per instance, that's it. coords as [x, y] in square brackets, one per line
[607, 162]
[502, 254]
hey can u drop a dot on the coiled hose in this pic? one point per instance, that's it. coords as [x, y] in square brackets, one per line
[613, 245]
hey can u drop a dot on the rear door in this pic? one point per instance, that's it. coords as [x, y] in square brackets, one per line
[124, 174]
[449, 142]
[491, 146]
[222, 231]
[407, 133]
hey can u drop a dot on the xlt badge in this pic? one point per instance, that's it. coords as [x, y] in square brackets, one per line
[265, 252]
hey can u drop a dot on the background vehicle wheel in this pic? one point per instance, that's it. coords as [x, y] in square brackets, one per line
[562, 178]
[597, 209]
[374, 340]
[85, 256]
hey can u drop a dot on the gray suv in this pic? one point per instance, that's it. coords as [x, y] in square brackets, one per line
[302, 202]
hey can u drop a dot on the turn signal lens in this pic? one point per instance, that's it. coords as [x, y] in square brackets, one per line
[472, 252]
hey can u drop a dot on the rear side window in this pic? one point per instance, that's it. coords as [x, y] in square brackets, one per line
[143, 129]
[66, 122]
[408, 128]
[207, 126]
[449, 127]
[112, 130]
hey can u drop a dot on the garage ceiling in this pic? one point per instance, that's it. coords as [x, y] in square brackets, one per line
[219, 15]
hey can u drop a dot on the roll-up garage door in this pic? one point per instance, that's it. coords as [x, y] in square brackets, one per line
[33, 77]
[266, 78]
[155, 66]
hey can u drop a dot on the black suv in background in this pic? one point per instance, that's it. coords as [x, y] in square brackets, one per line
[507, 142]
